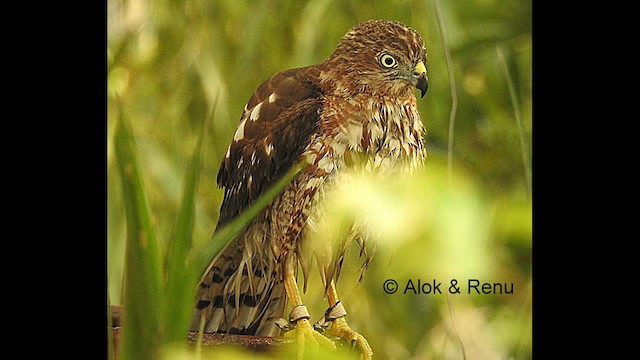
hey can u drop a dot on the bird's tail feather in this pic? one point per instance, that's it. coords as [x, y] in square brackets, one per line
[239, 294]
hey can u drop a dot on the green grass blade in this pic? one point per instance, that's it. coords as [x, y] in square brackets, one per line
[198, 354]
[452, 86]
[182, 280]
[516, 112]
[202, 255]
[142, 288]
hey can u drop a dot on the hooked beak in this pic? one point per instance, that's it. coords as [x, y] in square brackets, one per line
[420, 77]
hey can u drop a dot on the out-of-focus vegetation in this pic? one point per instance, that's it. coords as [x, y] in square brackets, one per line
[176, 65]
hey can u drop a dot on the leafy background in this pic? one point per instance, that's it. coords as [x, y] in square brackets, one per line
[181, 71]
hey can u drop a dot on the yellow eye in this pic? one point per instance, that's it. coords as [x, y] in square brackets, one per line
[388, 61]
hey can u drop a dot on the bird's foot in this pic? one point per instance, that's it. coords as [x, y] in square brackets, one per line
[304, 334]
[308, 338]
[340, 329]
[335, 317]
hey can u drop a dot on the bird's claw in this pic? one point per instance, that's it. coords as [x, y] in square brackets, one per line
[306, 337]
[340, 329]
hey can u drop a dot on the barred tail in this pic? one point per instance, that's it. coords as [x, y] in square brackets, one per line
[237, 296]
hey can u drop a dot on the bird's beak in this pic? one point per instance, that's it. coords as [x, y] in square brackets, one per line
[420, 75]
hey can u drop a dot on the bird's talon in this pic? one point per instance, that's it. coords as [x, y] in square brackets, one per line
[340, 328]
[307, 337]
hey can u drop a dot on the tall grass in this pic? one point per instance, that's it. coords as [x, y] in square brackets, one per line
[517, 114]
[143, 298]
[159, 292]
[452, 85]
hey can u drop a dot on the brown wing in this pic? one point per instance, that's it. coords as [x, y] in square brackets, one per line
[274, 129]
[276, 126]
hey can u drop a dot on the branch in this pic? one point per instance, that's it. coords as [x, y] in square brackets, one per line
[252, 343]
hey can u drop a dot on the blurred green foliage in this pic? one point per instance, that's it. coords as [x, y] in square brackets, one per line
[175, 65]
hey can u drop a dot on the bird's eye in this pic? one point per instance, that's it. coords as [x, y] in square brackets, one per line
[388, 61]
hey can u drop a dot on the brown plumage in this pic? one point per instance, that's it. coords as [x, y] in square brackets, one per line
[358, 103]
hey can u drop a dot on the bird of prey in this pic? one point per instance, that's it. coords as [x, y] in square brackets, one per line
[357, 104]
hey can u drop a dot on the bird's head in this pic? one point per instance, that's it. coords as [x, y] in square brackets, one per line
[379, 57]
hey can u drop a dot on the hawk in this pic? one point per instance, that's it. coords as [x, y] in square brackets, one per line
[357, 104]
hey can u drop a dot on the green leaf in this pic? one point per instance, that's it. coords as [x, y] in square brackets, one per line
[142, 278]
[181, 280]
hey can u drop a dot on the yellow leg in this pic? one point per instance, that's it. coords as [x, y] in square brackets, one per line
[303, 332]
[340, 328]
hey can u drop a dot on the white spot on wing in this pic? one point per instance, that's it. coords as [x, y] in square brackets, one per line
[256, 112]
[269, 149]
[239, 132]
[272, 98]
[228, 152]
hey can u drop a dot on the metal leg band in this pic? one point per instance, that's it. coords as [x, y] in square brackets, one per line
[298, 313]
[334, 312]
